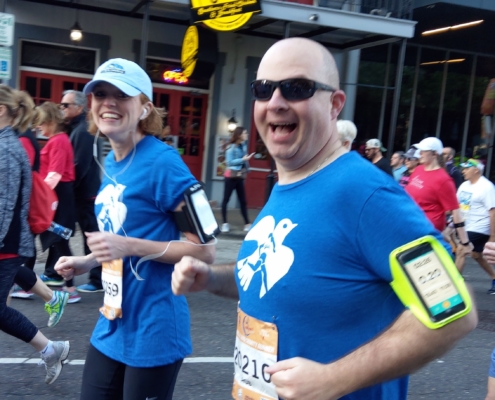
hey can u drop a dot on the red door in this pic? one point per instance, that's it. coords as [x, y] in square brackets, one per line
[186, 116]
[49, 87]
[260, 165]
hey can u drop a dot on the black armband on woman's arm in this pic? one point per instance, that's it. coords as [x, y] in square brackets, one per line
[459, 225]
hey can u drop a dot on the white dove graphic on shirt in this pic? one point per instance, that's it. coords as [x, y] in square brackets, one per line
[271, 258]
[113, 212]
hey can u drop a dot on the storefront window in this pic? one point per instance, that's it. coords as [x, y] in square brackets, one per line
[456, 100]
[428, 94]
[72, 59]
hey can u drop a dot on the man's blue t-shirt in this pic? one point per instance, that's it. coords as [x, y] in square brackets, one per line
[138, 202]
[316, 263]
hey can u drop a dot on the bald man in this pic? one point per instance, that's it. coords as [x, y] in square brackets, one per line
[317, 318]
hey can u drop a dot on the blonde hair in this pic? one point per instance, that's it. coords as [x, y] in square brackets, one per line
[347, 130]
[151, 125]
[20, 107]
[49, 112]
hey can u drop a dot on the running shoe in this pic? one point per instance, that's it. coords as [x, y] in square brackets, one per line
[54, 362]
[492, 290]
[89, 288]
[74, 296]
[247, 227]
[55, 312]
[18, 293]
[225, 228]
[51, 281]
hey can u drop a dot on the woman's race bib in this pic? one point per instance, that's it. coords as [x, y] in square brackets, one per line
[111, 278]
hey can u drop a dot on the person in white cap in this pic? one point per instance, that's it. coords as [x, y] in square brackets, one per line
[477, 200]
[143, 334]
[433, 190]
[373, 152]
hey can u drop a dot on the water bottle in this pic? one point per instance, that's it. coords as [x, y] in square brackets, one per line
[60, 230]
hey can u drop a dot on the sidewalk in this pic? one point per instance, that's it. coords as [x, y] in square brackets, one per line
[235, 220]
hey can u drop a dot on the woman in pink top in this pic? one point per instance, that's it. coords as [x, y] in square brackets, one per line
[58, 170]
[433, 189]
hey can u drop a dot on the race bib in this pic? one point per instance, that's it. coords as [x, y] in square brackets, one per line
[111, 278]
[256, 347]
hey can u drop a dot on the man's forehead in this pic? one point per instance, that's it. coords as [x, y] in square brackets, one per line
[282, 63]
[68, 97]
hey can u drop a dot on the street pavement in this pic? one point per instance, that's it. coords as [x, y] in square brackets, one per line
[207, 373]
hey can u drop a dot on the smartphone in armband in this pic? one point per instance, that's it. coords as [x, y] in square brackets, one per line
[196, 215]
[427, 281]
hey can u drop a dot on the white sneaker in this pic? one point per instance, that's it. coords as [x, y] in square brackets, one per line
[225, 228]
[54, 362]
[247, 227]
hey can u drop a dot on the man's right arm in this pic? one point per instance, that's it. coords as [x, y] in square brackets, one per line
[192, 275]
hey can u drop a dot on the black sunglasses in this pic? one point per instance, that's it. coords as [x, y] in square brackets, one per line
[66, 105]
[292, 89]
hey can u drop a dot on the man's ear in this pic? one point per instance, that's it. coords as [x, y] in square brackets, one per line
[338, 101]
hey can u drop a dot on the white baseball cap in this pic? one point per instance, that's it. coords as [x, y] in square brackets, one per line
[126, 75]
[375, 144]
[430, 144]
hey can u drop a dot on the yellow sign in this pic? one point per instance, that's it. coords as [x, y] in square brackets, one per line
[189, 54]
[224, 15]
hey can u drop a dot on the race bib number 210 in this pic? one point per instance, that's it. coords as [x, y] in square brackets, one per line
[255, 350]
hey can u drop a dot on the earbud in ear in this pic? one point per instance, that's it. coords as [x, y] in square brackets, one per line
[143, 115]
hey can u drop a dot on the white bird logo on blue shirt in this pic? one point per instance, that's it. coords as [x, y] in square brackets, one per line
[113, 212]
[271, 258]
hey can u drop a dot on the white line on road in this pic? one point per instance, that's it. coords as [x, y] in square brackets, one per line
[81, 362]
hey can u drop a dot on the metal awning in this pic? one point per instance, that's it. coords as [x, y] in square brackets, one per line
[333, 27]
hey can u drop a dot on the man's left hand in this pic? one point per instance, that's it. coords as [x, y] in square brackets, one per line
[302, 379]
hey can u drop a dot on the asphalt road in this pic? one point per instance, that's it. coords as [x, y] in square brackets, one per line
[461, 374]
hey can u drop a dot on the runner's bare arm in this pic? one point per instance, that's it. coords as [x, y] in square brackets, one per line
[489, 252]
[403, 348]
[107, 246]
[192, 275]
[457, 217]
[68, 267]
[492, 225]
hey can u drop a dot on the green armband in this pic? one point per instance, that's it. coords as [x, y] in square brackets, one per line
[427, 282]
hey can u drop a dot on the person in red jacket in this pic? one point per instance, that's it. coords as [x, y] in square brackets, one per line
[434, 191]
[58, 170]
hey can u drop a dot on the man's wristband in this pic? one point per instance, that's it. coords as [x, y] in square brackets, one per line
[466, 244]
[459, 225]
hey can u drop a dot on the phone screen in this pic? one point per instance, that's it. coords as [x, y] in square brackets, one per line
[204, 213]
[432, 282]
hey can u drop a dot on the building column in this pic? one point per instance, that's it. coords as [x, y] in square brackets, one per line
[351, 76]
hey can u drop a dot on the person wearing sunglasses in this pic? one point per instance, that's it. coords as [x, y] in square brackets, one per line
[317, 318]
[411, 162]
[87, 183]
[374, 152]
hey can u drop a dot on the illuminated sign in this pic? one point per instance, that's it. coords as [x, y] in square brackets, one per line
[175, 76]
[199, 55]
[224, 15]
[189, 54]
